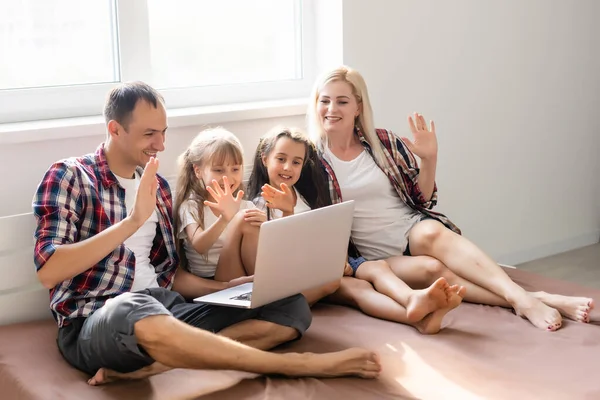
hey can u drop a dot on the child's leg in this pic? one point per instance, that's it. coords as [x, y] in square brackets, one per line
[418, 303]
[421, 271]
[360, 294]
[314, 295]
[238, 255]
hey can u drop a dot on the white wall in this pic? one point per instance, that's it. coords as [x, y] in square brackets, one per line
[515, 91]
[502, 80]
[23, 165]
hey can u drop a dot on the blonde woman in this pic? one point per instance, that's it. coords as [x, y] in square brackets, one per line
[394, 196]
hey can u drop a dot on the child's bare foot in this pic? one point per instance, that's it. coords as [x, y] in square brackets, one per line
[432, 323]
[426, 301]
[539, 314]
[356, 362]
[575, 308]
[105, 375]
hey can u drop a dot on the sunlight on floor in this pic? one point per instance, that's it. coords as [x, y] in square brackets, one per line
[423, 381]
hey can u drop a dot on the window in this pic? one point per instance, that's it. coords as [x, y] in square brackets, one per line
[59, 59]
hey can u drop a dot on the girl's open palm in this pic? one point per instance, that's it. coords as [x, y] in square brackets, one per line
[224, 204]
[283, 199]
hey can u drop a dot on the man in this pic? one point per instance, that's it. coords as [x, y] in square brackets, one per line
[105, 249]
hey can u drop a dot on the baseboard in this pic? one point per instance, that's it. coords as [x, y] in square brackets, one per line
[550, 249]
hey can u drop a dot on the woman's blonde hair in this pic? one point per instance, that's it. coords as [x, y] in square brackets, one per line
[364, 120]
[214, 146]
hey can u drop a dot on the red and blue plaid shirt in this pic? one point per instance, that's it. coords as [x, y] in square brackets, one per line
[77, 199]
[401, 168]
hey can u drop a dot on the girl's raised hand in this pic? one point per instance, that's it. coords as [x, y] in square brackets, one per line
[283, 199]
[225, 204]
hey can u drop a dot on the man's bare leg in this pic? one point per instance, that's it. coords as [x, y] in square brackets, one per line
[421, 271]
[175, 344]
[262, 335]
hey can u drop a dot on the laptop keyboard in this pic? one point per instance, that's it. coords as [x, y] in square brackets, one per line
[244, 296]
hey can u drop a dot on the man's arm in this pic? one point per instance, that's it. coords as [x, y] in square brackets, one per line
[70, 260]
[58, 255]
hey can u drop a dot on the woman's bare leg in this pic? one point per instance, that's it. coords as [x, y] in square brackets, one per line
[420, 271]
[462, 257]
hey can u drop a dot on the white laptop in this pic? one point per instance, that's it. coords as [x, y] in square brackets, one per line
[295, 253]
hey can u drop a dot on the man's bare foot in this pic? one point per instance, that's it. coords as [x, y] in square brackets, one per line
[105, 375]
[352, 362]
[539, 314]
[575, 308]
[426, 301]
[432, 323]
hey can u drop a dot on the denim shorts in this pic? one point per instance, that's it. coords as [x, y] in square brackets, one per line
[355, 263]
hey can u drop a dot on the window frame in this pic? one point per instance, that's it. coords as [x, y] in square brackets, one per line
[132, 55]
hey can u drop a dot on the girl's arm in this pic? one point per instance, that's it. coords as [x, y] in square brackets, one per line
[203, 240]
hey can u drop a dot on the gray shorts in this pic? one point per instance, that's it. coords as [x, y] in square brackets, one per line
[106, 338]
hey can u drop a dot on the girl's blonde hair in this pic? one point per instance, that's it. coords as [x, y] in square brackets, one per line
[364, 120]
[214, 146]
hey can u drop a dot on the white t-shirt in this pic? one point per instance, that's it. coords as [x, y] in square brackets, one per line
[200, 264]
[381, 219]
[300, 207]
[141, 241]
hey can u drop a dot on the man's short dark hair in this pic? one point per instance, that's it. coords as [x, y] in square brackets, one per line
[122, 100]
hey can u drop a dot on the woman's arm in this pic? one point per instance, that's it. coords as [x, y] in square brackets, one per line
[426, 177]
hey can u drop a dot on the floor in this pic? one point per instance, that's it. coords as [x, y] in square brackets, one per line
[581, 266]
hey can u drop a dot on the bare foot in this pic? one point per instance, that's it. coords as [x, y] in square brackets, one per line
[426, 301]
[355, 362]
[538, 313]
[105, 375]
[575, 308]
[432, 323]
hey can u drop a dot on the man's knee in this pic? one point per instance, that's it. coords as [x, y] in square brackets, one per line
[141, 315]
[293, 312]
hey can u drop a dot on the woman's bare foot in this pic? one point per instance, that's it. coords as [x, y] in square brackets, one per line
[538, 313]
[105, 375]
[575, 308]
[426, 301]
[432, 323]
[355, 362]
